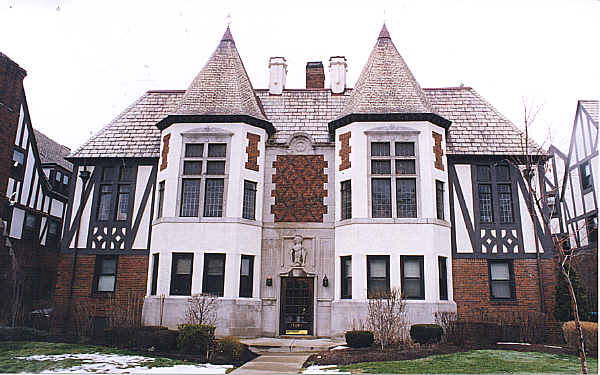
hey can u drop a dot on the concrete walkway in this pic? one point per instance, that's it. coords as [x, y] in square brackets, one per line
[273, 363]
[291, 344]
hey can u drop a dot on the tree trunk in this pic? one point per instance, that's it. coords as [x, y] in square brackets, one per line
[576, 316]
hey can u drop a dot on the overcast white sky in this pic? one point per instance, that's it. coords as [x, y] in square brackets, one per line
[88, 60]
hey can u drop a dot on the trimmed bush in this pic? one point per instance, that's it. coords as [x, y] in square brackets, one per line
[161, 338]
[426, 333]
[230, 348]
[590, 335]
[562, 307]
[123, 337]
[21, 334]
[195, 338]
[359, 339]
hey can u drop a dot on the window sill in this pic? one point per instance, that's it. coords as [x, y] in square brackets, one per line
[204, 220]
[417, 220]
[507, 301]
[102, 294]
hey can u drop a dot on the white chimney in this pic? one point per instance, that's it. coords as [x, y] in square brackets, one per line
[337, 74]
[278, 72]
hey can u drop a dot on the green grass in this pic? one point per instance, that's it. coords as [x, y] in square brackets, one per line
[9, 350]
[480, 362]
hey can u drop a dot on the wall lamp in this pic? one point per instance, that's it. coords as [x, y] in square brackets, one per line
[269, 281]
[325, 281]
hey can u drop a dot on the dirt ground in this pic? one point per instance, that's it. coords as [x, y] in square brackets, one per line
[348, 356]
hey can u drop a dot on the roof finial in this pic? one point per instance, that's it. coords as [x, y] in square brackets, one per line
[384, 34]
[227, 36]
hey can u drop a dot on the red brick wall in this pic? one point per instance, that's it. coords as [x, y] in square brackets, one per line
[132, 271]
[345, 150]
[252, 151]
[299, 188]
[437, 150]
[315, 75]
[472, 288]
[11, 86]
[165, 152]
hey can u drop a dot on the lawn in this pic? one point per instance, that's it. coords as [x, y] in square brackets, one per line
[479, 362]
[35, 357]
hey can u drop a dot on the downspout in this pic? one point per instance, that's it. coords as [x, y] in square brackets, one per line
[85, 176]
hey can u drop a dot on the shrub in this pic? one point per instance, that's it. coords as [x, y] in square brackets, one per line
[230, 348]
[426, 333]
[21, 334]
[120, 336]
[161, 338]
[359, 339]
[385, 317]
[590, 335]
[563, 310]
[196, 338]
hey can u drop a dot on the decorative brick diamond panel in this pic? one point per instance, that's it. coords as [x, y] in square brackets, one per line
[437, 150]
[252, 151]
[165, 152]
[345, 151]
[299, 188]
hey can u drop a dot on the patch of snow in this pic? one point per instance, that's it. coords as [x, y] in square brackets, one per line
[552, 346]
[328, 369]
[122, 364]
[513, 343]
[340, 347]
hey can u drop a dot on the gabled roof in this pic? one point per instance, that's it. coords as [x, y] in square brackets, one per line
[52, 152]
[386, 85]
[221, 91]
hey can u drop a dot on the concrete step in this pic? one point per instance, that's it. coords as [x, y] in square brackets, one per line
[290, 345]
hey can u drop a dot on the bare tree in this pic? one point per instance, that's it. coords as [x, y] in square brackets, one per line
[534, 164]
[385, 317]
[202, 309]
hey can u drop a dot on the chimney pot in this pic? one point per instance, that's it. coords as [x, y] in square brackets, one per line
[315, 75]
[277, 75]
[337, 74]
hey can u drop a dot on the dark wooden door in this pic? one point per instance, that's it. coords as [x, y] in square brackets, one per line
[297, 306]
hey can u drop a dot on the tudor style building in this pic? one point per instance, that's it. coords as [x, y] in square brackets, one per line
[294, 206]
[33, 200]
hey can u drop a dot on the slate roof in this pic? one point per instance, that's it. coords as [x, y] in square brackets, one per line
[222, 87]
[386, 84]
[477, 127]
[52, 152]
[591, 106]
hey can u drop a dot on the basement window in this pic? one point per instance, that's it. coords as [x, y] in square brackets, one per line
[502, 280]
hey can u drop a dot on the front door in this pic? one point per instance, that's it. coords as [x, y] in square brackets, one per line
[296, 312]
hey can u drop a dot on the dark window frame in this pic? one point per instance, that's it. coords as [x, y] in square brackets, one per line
[181, 284]
[443, 277]
[511, 281]
[421, 278]
[31, 232]
[98, 273]
[586, 179]
[346, 281]
[346, 199]
[439, 199]
[249, 200]
[553, 208]
[371, 279]
[213, 289]
[161, 199]
[247, 281]
[17, 170]
[591, 229]
[52, 240]
[114, 178]
[155, 264]
[486, 176]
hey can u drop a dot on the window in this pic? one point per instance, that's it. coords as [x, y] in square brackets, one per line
[214, 274]
[378, 275]
[585, 170]
[389, 173]
[249, 204]
[346, 200]
[161, 199]
[52, 236]
[495, 194]
[17, 169]
[181, 274]
[591, 226]
[439, 199]
[246, 275]
[30, 227]
[552, 206]
[346, 263]
[105, 274]
[114, 193]
[200, 161]
[103, 213]
[501, 280]
[153, 286]
[443, 278]
[486, 211]
[413, 282]
[505, 203]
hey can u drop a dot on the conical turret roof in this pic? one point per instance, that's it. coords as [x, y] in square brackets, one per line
[221, 91]
[386, 85]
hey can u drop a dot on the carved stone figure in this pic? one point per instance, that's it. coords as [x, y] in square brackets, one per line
[298, 252]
